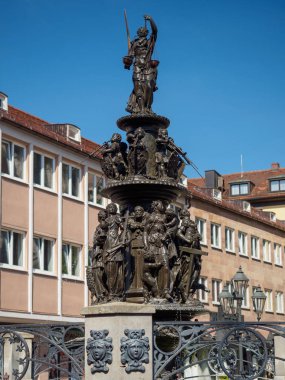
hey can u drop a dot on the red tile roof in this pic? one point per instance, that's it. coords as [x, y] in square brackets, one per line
[235, 206]
[259, 183]
[40, 126]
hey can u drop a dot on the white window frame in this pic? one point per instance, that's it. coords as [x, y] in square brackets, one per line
[278, 254]
[239, 186]
[69, 268]
[231, 232]
[269, 302]
[95, 180]
[216, 290]
[203, 234]
[217, 235]
[11, 160]
[203, 296]
[42, 172]
[242, 243]
[279, 184]
[10, 250]
[279, 302]
[41, 256]
[69, 194]
[266, 253]
[255, 256]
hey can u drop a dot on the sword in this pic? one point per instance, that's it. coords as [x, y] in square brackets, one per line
[128, 32]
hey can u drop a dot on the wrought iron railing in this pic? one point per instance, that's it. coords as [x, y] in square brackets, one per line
[55, 349]
[242, 350]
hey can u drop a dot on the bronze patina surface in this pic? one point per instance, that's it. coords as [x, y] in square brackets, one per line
[150, 251]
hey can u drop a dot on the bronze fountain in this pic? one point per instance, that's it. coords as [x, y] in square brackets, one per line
[148, 252]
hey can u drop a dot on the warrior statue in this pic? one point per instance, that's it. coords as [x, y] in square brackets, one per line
[140, 52]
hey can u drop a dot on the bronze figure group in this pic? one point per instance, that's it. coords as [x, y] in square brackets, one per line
[152, 254]
[144, 155]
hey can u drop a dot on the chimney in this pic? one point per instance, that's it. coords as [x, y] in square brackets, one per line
[275, 165]
[3, 101]
[213, 179]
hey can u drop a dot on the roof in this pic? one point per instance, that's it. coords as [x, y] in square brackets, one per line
[258, 179]
[235, 206]
[39, 126]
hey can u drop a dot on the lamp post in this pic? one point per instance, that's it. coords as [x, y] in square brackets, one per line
[231, 301]
[230, 306]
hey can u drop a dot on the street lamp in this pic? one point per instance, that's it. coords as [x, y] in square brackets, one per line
[231, 301]
[226, 300]
[239, 283]
[258, 300]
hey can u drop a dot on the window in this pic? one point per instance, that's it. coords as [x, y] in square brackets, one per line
[70, 180]
[216, 235]
[245, 301]
[242, 243]
[268, 302]
[255, 247]
[71, 260]
[277, 185]
[12, 248]
[95, 186]
[277, 254]
[216, 290]
[279, 302]
[74, 133]
[43, 254]
[266, 249]
[43, 170]
[13, 159]
[202, 295]
[201, 225]
[230, 239]
[240, 188]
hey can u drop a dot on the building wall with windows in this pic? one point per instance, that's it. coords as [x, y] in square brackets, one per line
[50, 197]
[264, 189]
[234, 237]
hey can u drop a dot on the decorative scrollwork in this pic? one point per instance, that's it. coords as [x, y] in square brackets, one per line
[213, 361]
[250, 358]
[54, 349]
[20, 346]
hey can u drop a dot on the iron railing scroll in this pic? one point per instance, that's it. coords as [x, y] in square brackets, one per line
[54, 349]
[207, 350]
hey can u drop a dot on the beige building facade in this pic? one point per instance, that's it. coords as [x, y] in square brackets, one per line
[233, 235]
[50, 197]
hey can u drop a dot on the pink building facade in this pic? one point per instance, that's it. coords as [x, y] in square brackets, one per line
[50, 197]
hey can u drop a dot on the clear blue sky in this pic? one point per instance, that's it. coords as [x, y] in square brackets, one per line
[221, 75]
